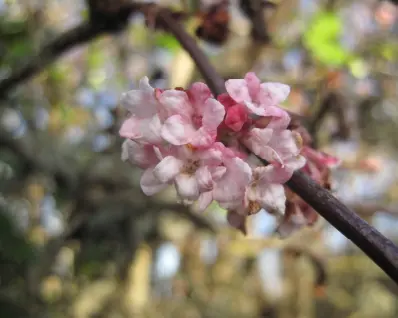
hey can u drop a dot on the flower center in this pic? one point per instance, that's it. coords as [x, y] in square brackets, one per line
[191, 166]
[197, 121]
[253, 207]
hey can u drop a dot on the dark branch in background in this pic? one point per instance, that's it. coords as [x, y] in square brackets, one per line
[101, 21]
[254, 9]
[333, 103]
[48, 54]
[380, 249]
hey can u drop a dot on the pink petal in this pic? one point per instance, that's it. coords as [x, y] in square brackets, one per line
[198, 93]
[285, 143]
[149, 184]
[204, 200]
[217, 172]
[130, 128]
[271, 197]
[204, 179]
[168, 169]
[210, 157]
[187, 186]
[280, 120]
[253, 83]
[141, 102]
[277, 91]
[142, 156]
[151, 130]
[177, 130]
[257, 141]
[213, 114]
[202, 138]
[254, 108]
[226, 100]
[236, 117]
[280, 173]
[232, 185]
[320, 158]
[238, 90]
[176, 102]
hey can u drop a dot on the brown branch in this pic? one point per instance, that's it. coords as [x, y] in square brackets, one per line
[380, 249]
[255, 12]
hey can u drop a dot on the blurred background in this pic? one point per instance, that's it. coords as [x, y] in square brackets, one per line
[77, 236]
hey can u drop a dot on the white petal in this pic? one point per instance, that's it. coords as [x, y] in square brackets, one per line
[202, 139]
[141, 102]
[176, 102]
[204, 179]
[238, 90]
[278, 91]
[145, 86]
[149, 184]
[217, 172]
[204, 200]
[255, 109]
[177, 130]
[167, 169]
[187, 186]
[272, 198]
[140, 155]
[213, 114]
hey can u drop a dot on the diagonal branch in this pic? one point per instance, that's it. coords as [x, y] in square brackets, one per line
[78, 35]
[380, 249]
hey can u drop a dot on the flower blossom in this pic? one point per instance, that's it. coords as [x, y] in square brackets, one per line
[206, 147]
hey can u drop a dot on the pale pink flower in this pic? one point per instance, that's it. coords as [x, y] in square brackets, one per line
[279, 147]
[265, 192]
[261, 99]
[190, 117]
[189, 139]
[143, 124]
[229, 191]
[143, 156]
[192, 171]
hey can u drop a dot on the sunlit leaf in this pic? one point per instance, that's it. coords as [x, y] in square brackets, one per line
[167, 41]
[322, 39]
[358, 68]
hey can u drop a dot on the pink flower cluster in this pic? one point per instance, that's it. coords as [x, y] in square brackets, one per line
[190, 139]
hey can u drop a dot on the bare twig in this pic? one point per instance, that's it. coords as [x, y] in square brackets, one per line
[380, 249]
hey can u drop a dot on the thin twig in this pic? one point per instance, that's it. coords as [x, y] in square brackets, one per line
[380, 249]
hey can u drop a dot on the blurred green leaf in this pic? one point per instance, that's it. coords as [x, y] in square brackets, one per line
[96, 58]
[167, 41]
[11, 29]
[322, 38]
[13, 246]
[389, 50]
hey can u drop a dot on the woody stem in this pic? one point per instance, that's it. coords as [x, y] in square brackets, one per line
[379, 248]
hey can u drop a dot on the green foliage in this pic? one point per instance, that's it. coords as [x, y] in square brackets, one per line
[322, 39]
[14, 37]
[13, 246]
[389, 50]
[167, 41]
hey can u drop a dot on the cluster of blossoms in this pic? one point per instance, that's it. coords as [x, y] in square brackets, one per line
[202, 145]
